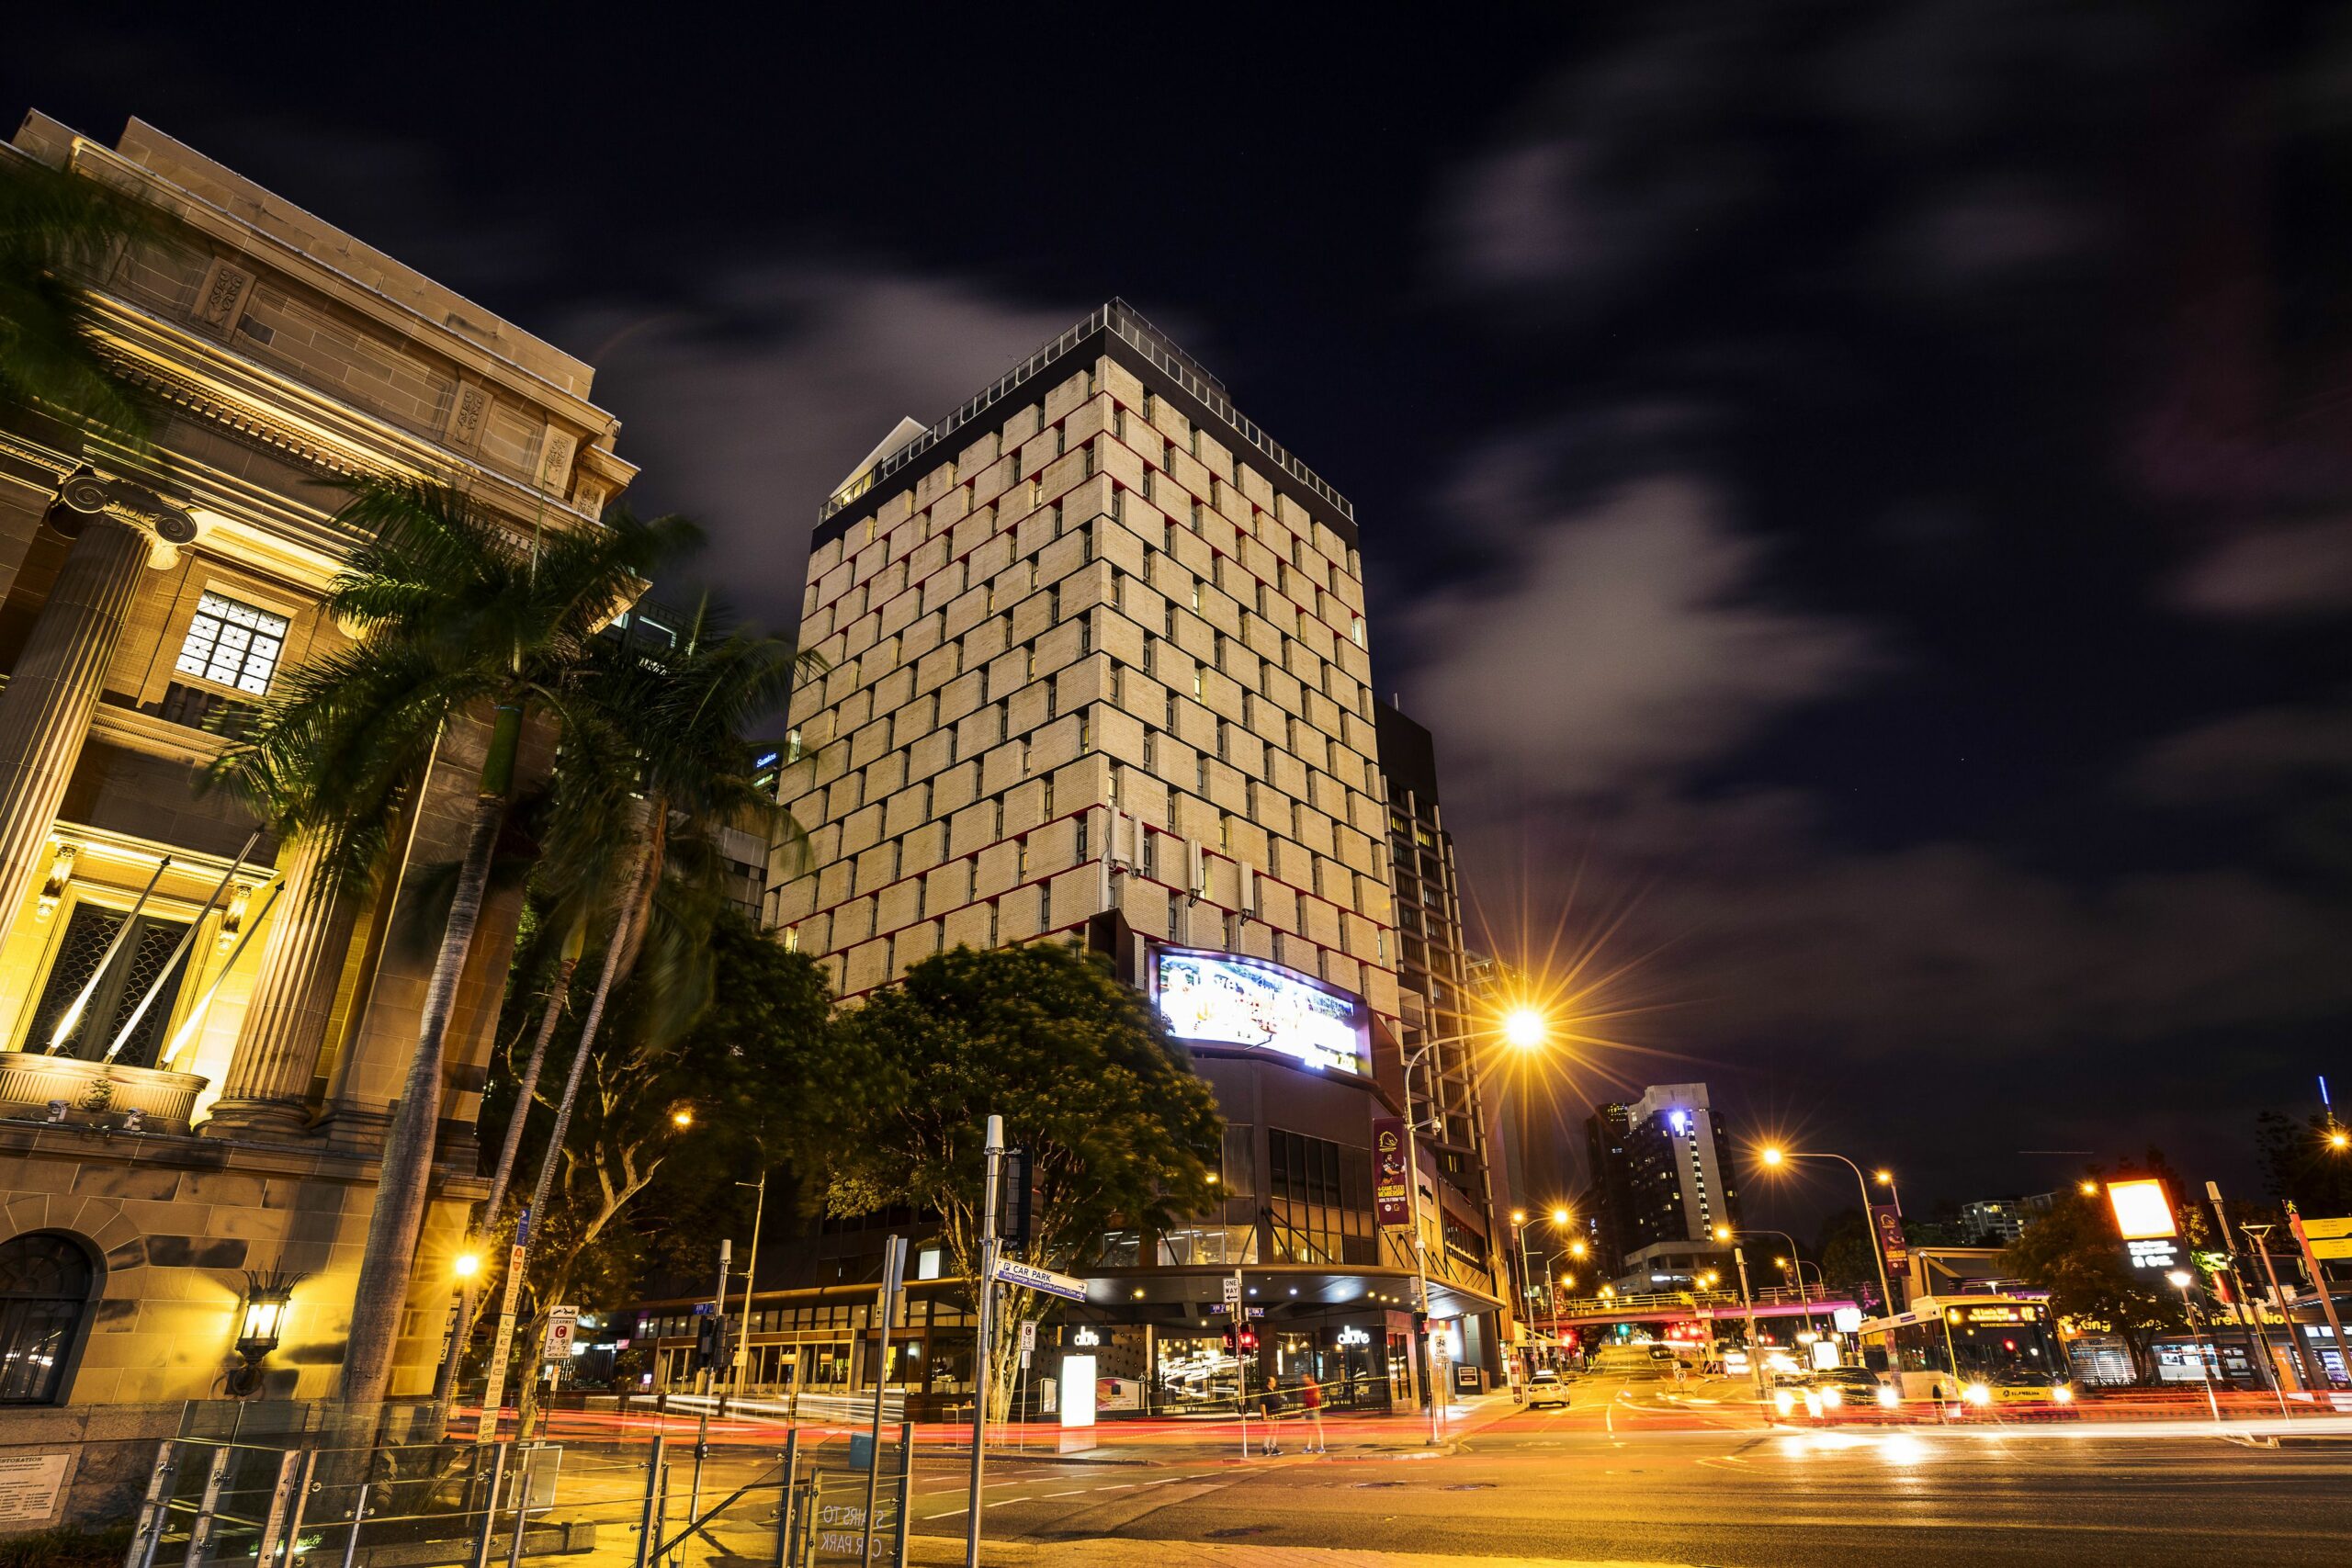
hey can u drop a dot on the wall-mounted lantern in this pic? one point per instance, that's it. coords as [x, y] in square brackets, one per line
[267, 1296]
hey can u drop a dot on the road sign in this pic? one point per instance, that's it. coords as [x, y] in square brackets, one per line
[2328, 1230]
[1028, 1334]
[562, 1322]
[1232, 1289]
[1031, 1278]
[2332, 1250]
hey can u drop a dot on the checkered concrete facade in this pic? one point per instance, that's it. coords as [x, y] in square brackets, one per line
[1093, 658]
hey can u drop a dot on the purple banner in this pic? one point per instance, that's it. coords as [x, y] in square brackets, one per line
[1390, 1197]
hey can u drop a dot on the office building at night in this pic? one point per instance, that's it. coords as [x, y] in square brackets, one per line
[1096, 671]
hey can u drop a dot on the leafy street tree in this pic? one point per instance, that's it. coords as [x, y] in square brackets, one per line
[53, 227]
[456, 619]
[756, 1071]
[1121, 1133]
[2074, 1253]
[2302, 1166]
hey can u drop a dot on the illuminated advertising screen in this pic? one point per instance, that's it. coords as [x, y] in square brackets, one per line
[2142, 1211]
[1222, 998]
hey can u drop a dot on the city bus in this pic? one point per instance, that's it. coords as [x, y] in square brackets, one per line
[1978, 1351]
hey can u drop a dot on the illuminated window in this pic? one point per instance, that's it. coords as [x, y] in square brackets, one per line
[233, 643]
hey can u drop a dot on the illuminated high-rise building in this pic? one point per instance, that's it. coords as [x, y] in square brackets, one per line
[1097, 670]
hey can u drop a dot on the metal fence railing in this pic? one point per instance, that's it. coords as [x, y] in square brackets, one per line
[322, 1487]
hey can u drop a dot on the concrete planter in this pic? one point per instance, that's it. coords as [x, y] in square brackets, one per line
[95, 1092]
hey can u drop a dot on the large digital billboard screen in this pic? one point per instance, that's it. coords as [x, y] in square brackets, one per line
[1222, 998]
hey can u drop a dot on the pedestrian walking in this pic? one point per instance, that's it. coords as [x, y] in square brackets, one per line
[1270, 1405]
[1310, 1402]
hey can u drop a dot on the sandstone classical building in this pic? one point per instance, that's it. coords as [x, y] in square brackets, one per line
[1097, 667]
[198, 1065]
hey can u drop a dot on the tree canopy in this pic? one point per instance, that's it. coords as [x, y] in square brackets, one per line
[1121, 1133]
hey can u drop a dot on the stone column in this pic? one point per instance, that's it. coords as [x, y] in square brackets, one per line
[46, 708]
[268, 1085]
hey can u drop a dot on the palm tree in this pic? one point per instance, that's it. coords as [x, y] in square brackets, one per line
[666, 764]
[456, 618]
[54, 225]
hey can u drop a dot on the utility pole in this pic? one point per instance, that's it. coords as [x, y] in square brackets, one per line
[2246, 1303]
[2327, 1303]
[991, 1161]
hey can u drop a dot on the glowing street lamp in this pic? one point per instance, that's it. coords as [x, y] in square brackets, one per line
[1523, 1029]
[1773, 1154]
[2181, 1279]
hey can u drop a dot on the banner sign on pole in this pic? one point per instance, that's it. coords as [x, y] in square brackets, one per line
[1390, 1196]
[1029, 1277]
[1888, 1220]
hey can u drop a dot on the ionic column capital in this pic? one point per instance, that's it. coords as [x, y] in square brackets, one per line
[85, 496]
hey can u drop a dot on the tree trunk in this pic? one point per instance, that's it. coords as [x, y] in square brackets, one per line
[406, 1173]
[486, 1223]
[528, 1084]
[605, 977]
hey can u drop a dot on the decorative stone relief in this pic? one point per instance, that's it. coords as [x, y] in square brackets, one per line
[555, 459]
[466, 415]
[221, 298]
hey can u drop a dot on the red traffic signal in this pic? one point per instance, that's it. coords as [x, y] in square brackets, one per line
[1248, 1339]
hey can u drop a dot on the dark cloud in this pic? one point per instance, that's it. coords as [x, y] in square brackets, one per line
[1619, 645]
[2293, 569]
[749, 401]
[1902, 382]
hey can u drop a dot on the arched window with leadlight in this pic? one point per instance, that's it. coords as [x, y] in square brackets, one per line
[47, 1281]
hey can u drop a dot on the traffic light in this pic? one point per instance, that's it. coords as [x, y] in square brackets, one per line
[710, 1341]
[1248, 1339]
[1014, 1200]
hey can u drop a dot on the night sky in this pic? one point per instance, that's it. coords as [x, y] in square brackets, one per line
[1859, 491]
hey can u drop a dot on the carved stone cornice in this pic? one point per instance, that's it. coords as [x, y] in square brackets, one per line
[262, 405]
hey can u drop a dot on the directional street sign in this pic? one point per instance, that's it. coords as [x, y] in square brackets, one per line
[1035, 1279]
[1232, 1288]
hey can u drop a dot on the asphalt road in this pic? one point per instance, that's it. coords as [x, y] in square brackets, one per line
[1549, 1486]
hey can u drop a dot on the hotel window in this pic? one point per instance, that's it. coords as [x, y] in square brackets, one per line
[232, 643]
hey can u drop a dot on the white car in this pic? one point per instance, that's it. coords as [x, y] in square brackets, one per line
[1544, 1387]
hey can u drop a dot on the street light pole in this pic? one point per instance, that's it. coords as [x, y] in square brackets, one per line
[2182, 1278]
[1523, 1029]
[1886, 1294]
[1747, 1303]
[751, 1275]
[2260, 1237]
[1432, 1381]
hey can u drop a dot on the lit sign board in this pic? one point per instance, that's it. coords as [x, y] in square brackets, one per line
[1222, 998]
[1992, 1314]
[2142, 1213]
[1353, 1336]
